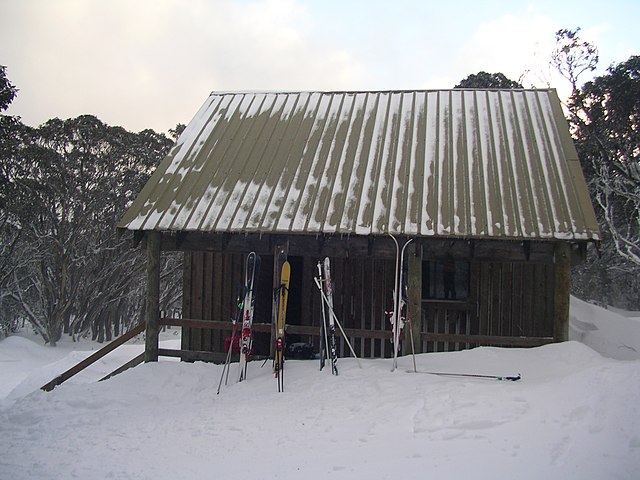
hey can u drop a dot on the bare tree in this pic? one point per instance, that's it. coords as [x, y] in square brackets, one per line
[604, 115]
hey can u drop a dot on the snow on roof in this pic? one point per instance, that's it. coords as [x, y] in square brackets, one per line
[462, 163]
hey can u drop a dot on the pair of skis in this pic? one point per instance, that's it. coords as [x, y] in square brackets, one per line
[245, 307]
[399, 315]
[246, 337]
[281, 294]
[328, 347]
[328, 343]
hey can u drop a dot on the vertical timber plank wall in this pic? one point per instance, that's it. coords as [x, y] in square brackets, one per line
[209, 293]
[506, 299]
[362, 295]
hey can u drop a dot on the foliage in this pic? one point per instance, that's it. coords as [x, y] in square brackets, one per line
[488, 80]
[64, 186]
[604, 115]
[177, 131]
[572, 56]
[8, 91]
[10, 257]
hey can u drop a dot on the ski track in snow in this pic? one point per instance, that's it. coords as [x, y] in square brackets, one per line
[573, 415]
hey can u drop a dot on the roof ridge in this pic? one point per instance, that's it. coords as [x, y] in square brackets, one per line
[416, 90]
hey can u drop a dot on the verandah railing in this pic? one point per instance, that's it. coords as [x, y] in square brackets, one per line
[449, 338]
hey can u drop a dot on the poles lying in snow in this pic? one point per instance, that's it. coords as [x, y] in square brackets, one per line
[512, 378]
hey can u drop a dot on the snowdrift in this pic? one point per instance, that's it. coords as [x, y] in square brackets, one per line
[572, 415]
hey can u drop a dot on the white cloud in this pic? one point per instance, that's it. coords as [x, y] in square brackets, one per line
[151, 63]
[510, 44]
[154, 62]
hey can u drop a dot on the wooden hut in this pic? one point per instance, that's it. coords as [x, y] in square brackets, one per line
[485, 184]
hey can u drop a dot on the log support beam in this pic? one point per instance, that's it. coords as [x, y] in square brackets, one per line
[562, 280]
[414, 300]
[152, 311]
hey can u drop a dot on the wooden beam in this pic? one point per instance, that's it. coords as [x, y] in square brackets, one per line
[187, 294]
[200, 356]
[152, 312]
[266, 327]
[209, 324]
[357, 246]
[337, 246]
[138, 235]
[94, 357]
[562, 287]
[487, 339]
[193, 356]
[314, 331]
[134, 362]
[414, 307]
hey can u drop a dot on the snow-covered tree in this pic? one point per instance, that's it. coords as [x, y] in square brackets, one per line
[64, 186]
[604, 115]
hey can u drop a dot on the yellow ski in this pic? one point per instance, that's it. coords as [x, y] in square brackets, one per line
[283, 295]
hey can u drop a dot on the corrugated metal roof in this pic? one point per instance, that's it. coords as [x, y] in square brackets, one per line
[463, 163]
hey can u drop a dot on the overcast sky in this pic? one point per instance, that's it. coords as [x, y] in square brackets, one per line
[152, 63]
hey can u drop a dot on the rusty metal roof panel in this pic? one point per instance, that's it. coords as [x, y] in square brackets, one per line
[462, 163]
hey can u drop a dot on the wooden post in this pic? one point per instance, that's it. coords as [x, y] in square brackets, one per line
[414, 293]
[185, 342]
[562, 280]
[152, 313]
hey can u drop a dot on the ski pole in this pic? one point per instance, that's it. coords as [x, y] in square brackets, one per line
[323, 331]
[400, 282]
[337, 322]
[413, 351]
[512, 378]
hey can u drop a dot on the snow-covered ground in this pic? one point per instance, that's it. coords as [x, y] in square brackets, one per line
[573, 415]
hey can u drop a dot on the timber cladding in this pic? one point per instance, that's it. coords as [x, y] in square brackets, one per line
[362, 296]
[508, 302]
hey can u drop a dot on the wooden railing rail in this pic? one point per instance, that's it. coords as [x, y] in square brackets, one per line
[487, 339]
[94, 357]
[266, 327]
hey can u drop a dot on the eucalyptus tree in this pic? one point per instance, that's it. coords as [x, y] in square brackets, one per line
[604, 115]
